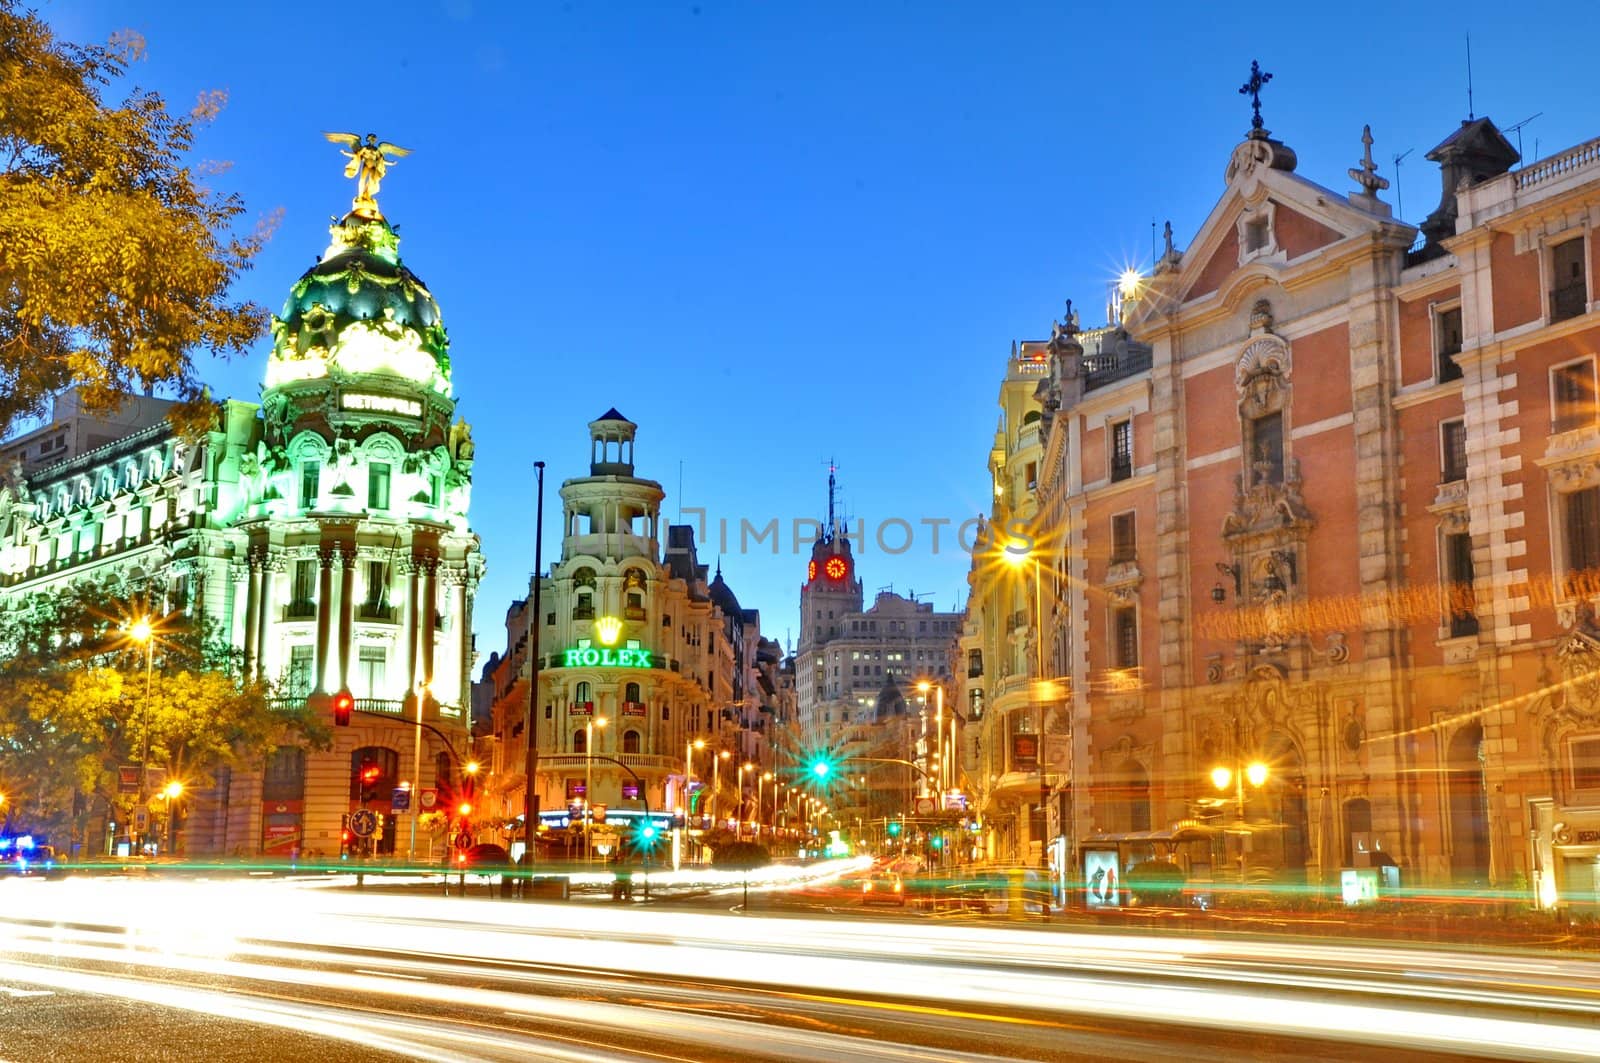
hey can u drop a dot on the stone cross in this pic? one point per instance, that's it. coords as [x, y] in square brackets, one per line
[1367, 176]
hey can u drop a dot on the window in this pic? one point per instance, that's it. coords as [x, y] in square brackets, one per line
[580, 741]
[1582, 529]
[378, 486]
[630, 693]
[1257, 234]
[285, 777]
[1459, 602]
[1032, 474]
[630, 741]
[1568, 290]
[371, 662]
[300, 665]
[310, 480]
[377, 603]
[1123, 546]
[582, 695]
[1125, 637]
[1453, 451]
[1585, 763]
[1121, 450]
[1266, 449]
[1572, 395]
[1447, 342]
[304, 592]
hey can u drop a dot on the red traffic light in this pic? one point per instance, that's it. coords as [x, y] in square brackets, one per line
[370, 773]
[343, 704]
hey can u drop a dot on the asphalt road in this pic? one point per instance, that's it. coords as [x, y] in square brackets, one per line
[271, 971]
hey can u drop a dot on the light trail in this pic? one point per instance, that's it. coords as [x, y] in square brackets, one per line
[268, 933]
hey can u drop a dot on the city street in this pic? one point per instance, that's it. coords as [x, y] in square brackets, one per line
[437, 978]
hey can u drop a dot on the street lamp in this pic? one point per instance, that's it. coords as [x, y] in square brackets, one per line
[588, 781]
[738, 820]
[716, 784]
[422, 693]
[1256, 773]
[142, 632]
[766, 777]
[688, 779]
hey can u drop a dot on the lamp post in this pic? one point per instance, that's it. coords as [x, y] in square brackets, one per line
[764, 778]
[144, 633]
[530, 798]
[421, 694]
[738, 822]
[1221, 777]
[172, 792]
[716, 782]
[595, 722]
[688, 779]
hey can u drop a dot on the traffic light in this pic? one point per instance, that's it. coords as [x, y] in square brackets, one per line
[464, 809]
[894, 828]
[370, 774]
[821, 767]
[937, 842]
[344, 834]
[343, 705]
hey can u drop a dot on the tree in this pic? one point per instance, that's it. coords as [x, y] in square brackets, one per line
[117, 258]
[74, 703]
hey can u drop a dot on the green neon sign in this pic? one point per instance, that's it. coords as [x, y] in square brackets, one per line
[597, 657]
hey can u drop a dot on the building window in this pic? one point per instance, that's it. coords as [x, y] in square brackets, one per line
[300, 678]
[582, 695]
[580, 741]
[378, 486]
[377, 604]
[1032, 474]
[1125, 636]
[1266, 449]
[1582, 531]
[630, 693]
[310, 482]
[1572, 395]
[1447, 343]
[303, 602]
[1459, 601]
[1257, 234]
[1121, 450]
[1453, 451]
[371, 662]
[630, 741]
[1123, 546]
[1585, 754]
[1568, 288]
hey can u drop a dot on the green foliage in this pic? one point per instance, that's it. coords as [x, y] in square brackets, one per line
[1155, 882]
[75, 703]
[118, 257]
[740, 856]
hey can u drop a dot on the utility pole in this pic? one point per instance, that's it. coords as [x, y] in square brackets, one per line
[530, 805]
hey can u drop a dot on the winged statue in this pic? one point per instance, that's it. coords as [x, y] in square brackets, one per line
[369, 161]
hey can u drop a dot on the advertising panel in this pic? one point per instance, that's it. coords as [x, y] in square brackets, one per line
[1101, 878]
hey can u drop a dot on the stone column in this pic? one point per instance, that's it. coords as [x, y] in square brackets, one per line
[408, 568]
[347, 562]
[325, 561]
[429, 616]
[252, 654]
[263, 604]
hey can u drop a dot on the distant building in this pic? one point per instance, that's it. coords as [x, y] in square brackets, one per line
[633, 634]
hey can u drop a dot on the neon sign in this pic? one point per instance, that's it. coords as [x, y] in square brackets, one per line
[606, 657]
[381, 404]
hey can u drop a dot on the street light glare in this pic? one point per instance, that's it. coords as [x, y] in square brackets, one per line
[1221, 778]
[173, 789]
[471, 768]
[1256, 773]
[699, 743]
[1016, 554]
[140, 630]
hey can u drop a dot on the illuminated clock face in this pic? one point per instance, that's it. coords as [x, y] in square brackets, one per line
[835, 568]
[811, 571]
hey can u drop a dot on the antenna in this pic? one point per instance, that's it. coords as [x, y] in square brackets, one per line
[1152, 239]
[1517, 129]
[832, 469]
[1470, 115]
[1399, 204]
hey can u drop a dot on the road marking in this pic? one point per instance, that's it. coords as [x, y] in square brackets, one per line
[391, 974]
[922, 1009]
[10, 992]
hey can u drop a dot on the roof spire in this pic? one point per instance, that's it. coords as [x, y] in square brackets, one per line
[832, 468]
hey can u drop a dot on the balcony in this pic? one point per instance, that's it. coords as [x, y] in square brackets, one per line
[583, 612]
[1121, 467]
[1567, 302]
[304, 610]
[1107, 367]
[376, 611]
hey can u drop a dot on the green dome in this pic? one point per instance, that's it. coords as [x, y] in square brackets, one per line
[360, 288]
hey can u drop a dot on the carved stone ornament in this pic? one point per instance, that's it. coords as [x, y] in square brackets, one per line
[1266, 354]
[1338, 650]
[1578, 657]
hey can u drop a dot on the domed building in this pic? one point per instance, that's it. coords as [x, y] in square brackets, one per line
[322, 533]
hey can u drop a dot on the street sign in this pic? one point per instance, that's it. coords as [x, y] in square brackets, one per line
[400, 800]
[925, 806]
[141, 820]
[363, 823]
[127, 779]
[428, 799]
[462, 840]
[955, 801]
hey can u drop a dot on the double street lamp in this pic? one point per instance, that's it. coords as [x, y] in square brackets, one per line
[1256, 773]
[143, 632]
[588, 782]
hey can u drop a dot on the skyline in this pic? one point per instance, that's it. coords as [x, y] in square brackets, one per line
[731, 202]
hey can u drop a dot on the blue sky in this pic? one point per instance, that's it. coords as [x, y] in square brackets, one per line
[777, 233]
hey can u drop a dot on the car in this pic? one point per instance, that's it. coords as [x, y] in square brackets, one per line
[881, 888]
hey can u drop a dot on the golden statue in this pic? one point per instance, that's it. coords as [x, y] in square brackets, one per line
[368, 163]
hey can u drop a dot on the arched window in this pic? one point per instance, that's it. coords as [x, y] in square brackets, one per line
[630, 741]
[581, 693]
[580, 741]
[630, 693]
[444, 774]
[1469, 807]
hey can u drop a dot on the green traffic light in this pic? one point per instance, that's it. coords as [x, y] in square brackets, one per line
[821, 768]
[894, 830]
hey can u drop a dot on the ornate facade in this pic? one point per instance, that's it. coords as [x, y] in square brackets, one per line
[323, 532]
[1323, 502]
